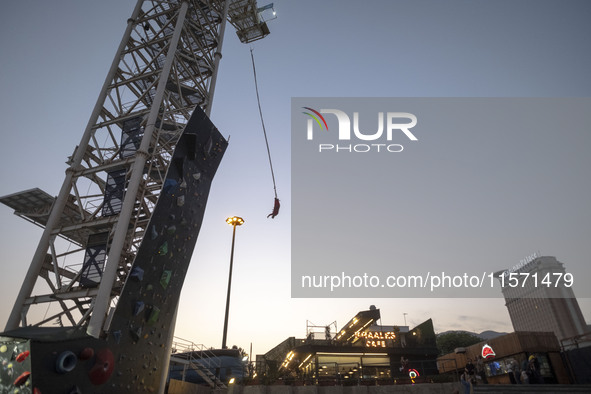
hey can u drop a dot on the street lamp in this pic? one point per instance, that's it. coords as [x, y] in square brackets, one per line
[232, 221]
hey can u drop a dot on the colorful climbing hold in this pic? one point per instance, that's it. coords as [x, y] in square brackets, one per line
[163, 249]
[22, 378]
[136, 334]
[154, 315]
[3, 349]
[103, 368]
[66, 362]
[22, 356]
[117, 336]
[86, 353]
[75, 390]
[137, 273]
[138, 308]
[165, 278]
[170, 186]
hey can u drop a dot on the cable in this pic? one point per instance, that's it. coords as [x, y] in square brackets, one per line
[276, 205]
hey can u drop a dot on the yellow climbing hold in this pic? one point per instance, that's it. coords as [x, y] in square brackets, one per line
[3, 348]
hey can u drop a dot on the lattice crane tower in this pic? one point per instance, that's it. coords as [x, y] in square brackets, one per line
[165, 66]
[164, 70]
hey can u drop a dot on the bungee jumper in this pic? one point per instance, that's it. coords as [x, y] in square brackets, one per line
[276, 204]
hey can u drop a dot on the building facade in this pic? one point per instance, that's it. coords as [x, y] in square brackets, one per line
[539, 297]
[500, 360]
[361, 352]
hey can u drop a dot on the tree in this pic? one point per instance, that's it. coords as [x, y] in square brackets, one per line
[447, 342]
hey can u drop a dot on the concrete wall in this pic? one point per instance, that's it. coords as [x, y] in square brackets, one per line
[423, 388]
[532, 388]
[177, 387]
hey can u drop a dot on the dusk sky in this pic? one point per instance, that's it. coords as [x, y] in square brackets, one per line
[55, 56]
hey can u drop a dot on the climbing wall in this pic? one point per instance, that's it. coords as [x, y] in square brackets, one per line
[15, 364]
[132, 355]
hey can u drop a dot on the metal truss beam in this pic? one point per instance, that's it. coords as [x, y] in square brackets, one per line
[166, 65]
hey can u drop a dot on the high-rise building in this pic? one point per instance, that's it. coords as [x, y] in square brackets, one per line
[539, 297]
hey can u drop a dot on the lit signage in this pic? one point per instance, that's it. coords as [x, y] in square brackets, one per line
[487, 352]
[375, 343]
[288, 359]
[376, 338]
[376, 335]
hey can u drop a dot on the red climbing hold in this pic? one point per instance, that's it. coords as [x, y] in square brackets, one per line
[86, 353]
[103, 368]
[22, 356]
[22, 378]
[275, 209]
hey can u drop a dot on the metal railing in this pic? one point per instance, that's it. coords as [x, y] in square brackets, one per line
[198, 358]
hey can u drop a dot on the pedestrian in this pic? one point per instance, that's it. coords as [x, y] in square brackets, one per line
[510, 372]
[481, 370]
[466, 383]
[533, 369]
[404, 364]
[515, 368]
[470, 369]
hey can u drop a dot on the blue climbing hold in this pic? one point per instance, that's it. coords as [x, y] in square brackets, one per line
[170, 186]
[138, 308]
[137, 273]
[117, 336]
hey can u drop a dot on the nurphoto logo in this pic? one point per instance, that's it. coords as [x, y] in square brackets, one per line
[396, 123]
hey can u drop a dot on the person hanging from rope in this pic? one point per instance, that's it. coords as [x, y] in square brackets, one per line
[275, 209]
[276, 204]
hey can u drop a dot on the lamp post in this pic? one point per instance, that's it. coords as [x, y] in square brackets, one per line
[232, 221]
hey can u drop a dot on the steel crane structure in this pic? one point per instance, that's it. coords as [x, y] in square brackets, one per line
[165, 66]
[156, 97]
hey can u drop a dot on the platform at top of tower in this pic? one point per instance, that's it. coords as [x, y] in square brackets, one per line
[34, 205]
[248, 19]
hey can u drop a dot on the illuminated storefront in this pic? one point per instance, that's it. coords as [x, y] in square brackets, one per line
[362, 351]
[502, 359]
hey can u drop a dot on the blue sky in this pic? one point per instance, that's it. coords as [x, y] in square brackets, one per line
[55, 56]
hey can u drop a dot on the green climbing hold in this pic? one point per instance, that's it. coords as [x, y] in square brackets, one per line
[154, 315]
[165, 278]
[163, 249]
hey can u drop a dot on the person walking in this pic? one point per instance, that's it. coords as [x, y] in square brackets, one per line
[465, 380]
